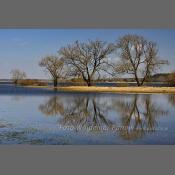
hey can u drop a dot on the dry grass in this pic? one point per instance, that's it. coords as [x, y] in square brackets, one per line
[113, 89]
[31, 82]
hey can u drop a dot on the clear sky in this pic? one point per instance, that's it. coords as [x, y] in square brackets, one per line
[23, 48]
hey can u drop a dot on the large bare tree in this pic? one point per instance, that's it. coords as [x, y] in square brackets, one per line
[17, 75]
[55, 66]
[87, 60]
[138, 57]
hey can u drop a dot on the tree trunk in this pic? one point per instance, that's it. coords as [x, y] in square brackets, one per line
[16, 82]
[138, 84]
[89, 83]
[137, 80]
[55, 82]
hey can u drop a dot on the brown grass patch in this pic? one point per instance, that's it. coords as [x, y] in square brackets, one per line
[30, 82]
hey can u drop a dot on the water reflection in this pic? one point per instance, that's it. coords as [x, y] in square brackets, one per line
[52, 107]
[171, 99]
[86, 112]
[139, 115]
[136, 114]
[78, 112]
[17, 97]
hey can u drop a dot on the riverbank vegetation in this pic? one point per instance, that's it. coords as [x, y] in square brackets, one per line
[110, 89]
[31, 82]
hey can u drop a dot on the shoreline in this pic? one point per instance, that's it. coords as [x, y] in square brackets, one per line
[144, 89]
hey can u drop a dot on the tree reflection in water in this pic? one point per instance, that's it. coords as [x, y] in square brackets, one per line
[78, 112]
[171, 99]
[139, 115]
[52, 107]
[86, 112]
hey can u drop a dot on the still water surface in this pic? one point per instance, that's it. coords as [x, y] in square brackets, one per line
[31, 117]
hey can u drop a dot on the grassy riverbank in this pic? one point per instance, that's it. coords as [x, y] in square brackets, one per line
[112, 89]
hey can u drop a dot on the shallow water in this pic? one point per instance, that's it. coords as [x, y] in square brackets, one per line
[41, 117]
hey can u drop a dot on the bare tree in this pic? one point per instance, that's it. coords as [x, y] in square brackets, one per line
[139, 57]
[87, 60]
[17, 75]
[55, 66]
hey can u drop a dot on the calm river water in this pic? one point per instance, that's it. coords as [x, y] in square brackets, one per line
[33, 116]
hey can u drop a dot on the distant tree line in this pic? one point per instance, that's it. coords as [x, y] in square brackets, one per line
[93, 60]
[171, 78]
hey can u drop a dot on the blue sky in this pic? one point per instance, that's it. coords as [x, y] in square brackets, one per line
[23, 48]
